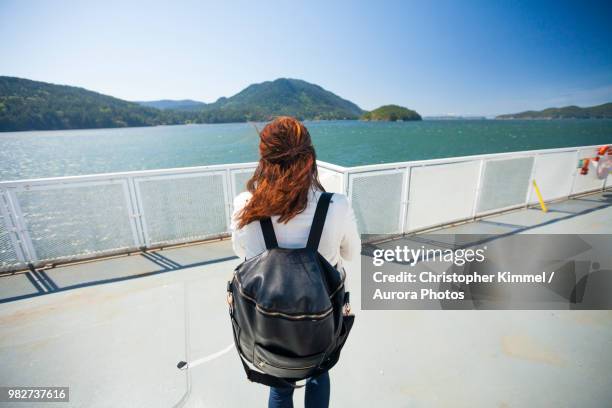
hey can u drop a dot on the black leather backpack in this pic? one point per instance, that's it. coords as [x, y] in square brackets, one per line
[286, 308]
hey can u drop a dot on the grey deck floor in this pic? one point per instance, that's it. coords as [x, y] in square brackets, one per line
[113, 330]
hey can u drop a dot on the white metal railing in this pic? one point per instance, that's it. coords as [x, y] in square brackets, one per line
[418, 195]
[70, 218]
[53, 220]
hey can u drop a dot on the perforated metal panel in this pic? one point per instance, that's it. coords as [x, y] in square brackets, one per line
[588, 182]
[184, 207]
[240, 178]
[8, 254]
[504, 183]
[441, 194]
[376, 198]
[553, 175]
[65, 221]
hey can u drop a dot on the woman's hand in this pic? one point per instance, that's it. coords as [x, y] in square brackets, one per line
[347, 309]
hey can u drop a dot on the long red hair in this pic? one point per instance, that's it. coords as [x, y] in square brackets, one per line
[286, 172]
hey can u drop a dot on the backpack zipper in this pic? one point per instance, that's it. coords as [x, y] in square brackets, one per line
[263, 363]
[291, 317]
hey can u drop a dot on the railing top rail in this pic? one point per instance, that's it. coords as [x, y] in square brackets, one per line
[146, 173]
[413, 163]
[124, 174]
[331, 166]
[237, 166]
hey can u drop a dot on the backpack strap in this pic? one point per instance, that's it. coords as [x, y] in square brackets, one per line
[318, 221]
[268, 232]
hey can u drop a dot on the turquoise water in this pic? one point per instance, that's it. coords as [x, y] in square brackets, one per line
[348, 143]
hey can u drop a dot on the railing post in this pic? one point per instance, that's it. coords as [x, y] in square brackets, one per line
[135, 214]
[22, 231]
[345, 183]
[404, 199]
[478, 188]
[139, 211]
[11, 227]
[228, 198]
[531, 177]
[574, 174]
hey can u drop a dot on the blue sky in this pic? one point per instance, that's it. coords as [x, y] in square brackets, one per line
[438, 57]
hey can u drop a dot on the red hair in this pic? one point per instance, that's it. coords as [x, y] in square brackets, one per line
[286, 171]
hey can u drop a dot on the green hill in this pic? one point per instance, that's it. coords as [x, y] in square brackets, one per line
[283, 96]
[568, 112]
[391, 113]
[33, 105]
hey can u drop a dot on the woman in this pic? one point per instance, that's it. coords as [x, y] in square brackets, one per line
[285, 187]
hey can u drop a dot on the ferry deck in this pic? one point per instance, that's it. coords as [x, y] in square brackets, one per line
[114, 326]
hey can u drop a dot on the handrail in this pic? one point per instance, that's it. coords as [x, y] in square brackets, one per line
[124, 174]
[454, 159]
[126, 211]
[327, 165]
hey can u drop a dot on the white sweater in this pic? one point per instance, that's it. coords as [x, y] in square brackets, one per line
[339, 240]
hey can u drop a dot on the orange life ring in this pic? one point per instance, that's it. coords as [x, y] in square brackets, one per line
[602, 162]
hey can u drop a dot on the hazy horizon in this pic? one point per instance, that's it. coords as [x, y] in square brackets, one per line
[439, 58]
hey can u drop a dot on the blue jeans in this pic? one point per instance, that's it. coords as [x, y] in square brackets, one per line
[317, 394]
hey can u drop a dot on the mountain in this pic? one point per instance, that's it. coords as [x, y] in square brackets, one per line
[568, 112]
[33, 105]
[391, 113]
[184, 104]
[284, 96]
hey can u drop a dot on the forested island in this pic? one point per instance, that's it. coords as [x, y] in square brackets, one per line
[34, 105]
[568, 112]
[391, 113]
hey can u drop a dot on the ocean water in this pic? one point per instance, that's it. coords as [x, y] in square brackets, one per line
[348, 143]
